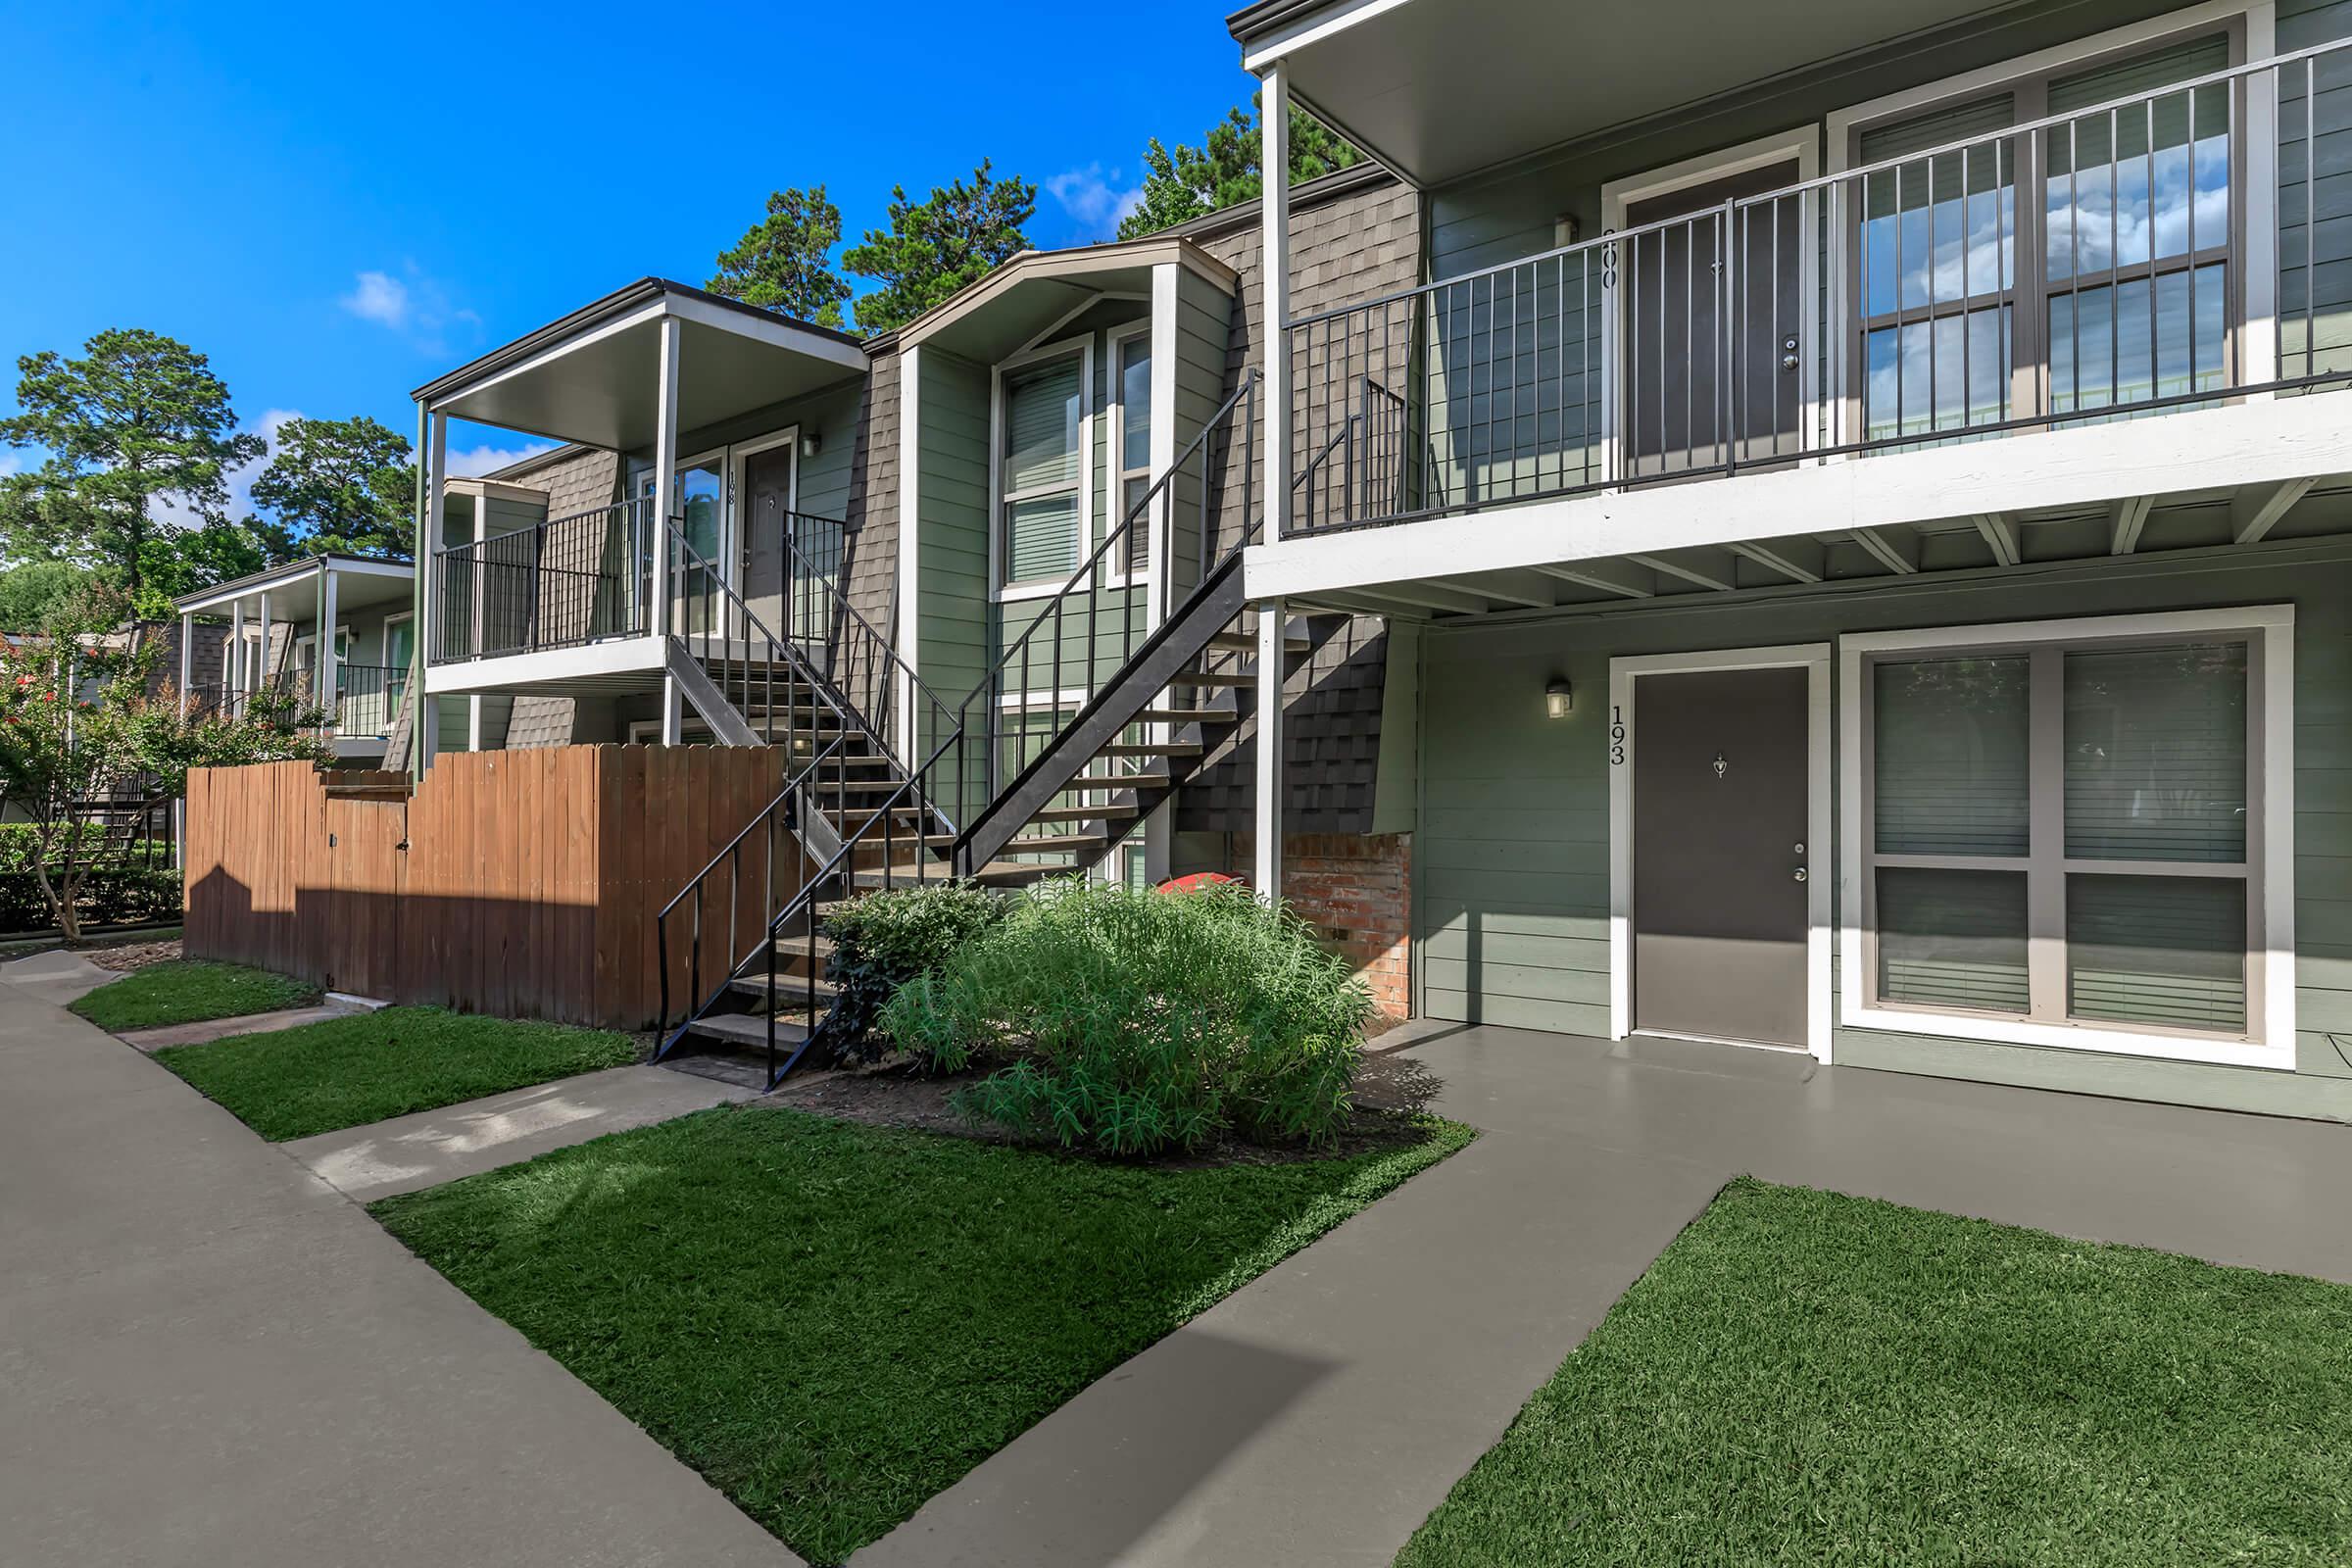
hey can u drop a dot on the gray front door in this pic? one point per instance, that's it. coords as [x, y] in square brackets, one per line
[766, 500]
[1719, 839]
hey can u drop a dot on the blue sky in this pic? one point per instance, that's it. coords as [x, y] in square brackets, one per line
[337, 203]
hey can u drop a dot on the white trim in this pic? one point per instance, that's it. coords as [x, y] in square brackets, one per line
[614, 656]
[997, 561]
[1322, 25]
[905, 633]
[1167, 285]
[355, 566]
[739, 495]
[2084, 466]
[2270, 966]
[1274, 284]
[1801, 143]
[1814, 660]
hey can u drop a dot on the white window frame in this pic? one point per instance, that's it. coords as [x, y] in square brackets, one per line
[2258, 359]
[1114, 442]
[1083, 348]
[2269, 869]
[718, 459]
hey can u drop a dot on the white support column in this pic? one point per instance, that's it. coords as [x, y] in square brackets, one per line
[188, 660]
[1274, 263]
[233, 667]
[673, 712]
[261, 653]
[424, 710]
[906, 632]
[329, 673]
[1266, 875]
[665, 473]
[1159, 827]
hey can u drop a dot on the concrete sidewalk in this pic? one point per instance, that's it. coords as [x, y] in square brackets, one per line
[1313, 1418]
[410, 1153]
[212, 1356]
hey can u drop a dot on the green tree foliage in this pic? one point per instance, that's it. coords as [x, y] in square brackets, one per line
[785, 262]
[36, 594]
[138, 421]
[80, 734]
[1225, 170]
[936, 246]
[344, 486]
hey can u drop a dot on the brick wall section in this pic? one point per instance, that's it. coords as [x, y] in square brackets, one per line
[1356, 889]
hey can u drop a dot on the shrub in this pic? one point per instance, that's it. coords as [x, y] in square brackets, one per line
[1138, 1020]
[884, 940]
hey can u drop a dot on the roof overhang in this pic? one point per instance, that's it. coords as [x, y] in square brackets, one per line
[1024, 300]
[1441, 89]
[361, 581]
[593, 379]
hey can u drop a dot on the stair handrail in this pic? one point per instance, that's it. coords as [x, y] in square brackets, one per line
[1088, 580]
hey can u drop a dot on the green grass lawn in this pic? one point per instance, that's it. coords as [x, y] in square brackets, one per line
[188, 992]
[1809, 1379]
[346, 1072]
[833, 1322]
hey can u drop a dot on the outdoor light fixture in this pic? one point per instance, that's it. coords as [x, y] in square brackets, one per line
[810, 445]
[1558, 700]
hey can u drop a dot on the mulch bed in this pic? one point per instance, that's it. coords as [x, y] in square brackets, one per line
[132, 955]
[892, 1094]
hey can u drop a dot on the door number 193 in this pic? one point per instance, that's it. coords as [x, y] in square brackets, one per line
[1617, 736]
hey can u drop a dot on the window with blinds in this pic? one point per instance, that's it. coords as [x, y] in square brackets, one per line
[1041, 419]
[2138, 882]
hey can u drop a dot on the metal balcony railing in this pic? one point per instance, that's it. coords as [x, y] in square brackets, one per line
[562, 583]
[2130, 258]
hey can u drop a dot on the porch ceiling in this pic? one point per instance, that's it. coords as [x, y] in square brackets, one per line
[1028, 296]
[1442, 89]
[594, 377]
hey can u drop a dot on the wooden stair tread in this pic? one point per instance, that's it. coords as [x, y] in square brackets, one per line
[1151, 749]
[1055, 843]
[1241, 642]
[1216, 677]
[1188, 715]
[1119, 781]
[746, 1029]
[791, 987]
[795, 945]
[1083, 813]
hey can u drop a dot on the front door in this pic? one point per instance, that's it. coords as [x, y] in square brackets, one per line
[1720, 857]
[1712, 314]
[767, 513]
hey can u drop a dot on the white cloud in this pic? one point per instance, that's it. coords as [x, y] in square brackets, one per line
[1095, 199]
[18, 463]
[478, 460]
[411, 304]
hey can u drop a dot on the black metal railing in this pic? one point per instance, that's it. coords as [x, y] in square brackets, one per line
[949, 762]
[857, 807]
[2107, 261]
[1068, 644]
[562, 583]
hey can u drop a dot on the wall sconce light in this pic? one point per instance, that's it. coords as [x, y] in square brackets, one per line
[811, 444]
[1558, 700]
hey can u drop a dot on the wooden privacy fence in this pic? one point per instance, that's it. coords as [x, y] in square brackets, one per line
[518, 883]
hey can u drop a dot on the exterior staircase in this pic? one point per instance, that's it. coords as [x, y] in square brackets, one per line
[878, 798]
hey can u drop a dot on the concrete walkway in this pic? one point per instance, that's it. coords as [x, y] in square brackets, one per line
[212, 1356]
[205, 1030]
[1313, 1418]
[432, 1146]
[57, 976]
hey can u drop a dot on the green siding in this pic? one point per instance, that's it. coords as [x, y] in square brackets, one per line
[1511, 849]
[953, 621]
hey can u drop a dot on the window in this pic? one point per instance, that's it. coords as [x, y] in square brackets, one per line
[2090, 264]
[1041, 470]
[1131, 467]
[2061, 830]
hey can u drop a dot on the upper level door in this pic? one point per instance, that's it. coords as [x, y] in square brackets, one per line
[1711, 304]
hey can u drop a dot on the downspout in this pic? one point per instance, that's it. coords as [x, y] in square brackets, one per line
[422, 556]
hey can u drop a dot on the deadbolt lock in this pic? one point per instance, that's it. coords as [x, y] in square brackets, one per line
[1800, 873]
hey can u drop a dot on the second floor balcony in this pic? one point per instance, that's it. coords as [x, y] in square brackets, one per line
[1966, 270]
